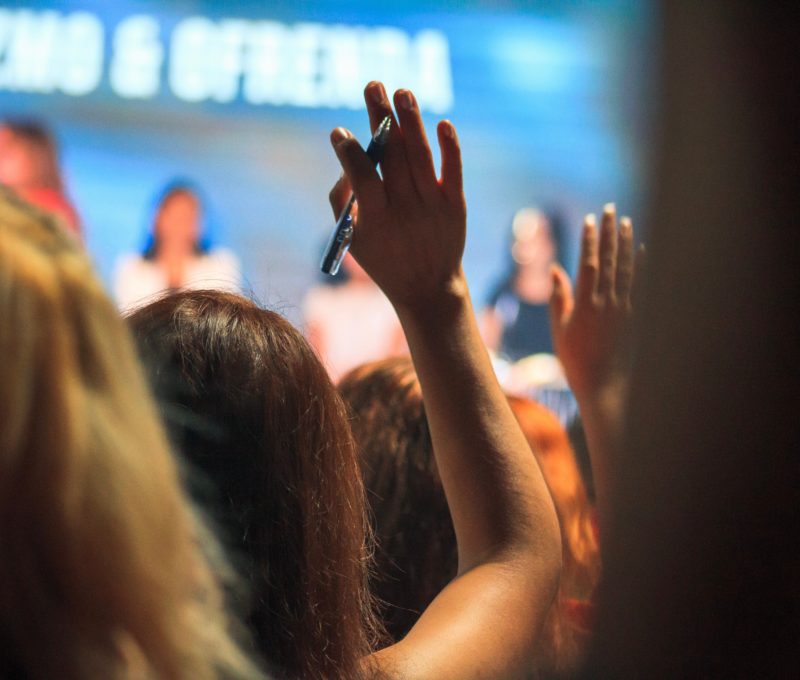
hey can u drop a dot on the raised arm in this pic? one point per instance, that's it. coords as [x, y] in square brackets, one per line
[410, 238]
[592, 337]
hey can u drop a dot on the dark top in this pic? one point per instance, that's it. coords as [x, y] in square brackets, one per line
[526, 326]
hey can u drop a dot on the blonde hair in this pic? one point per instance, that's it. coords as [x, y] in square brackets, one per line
[101, 574]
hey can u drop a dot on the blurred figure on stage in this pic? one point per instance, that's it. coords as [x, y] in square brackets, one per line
[29, 165]
[352, 322]
[177, 253]
[514, 324]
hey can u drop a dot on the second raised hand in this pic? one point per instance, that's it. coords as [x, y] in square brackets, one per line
[592, 327]
[411, 226]
[592, 336]
[409, 237]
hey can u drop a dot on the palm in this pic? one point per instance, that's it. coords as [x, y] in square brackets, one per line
[410, 226]
[592, 328]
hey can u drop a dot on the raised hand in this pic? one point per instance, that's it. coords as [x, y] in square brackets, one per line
[592, 328]
[592, 338]
[409, 236]
[410, 226]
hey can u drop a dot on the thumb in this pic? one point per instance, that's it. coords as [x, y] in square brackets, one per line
[562, 300]
[358, 168]
[340, 194]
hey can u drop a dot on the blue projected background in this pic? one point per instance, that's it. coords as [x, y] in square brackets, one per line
[241, 96]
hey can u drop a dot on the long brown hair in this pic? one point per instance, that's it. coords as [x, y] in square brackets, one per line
[254, 411]
[416, 553]
[100, 573]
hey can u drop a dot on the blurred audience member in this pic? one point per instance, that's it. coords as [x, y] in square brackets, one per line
[515, 322]
[351, 321]
[177, 253]
[416, 547]
[416, 552]
[29, 165]
[101, 574]
[702, 552]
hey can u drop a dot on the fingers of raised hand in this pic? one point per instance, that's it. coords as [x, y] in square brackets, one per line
[452, 182]
[394, 164]
[418, 152]
[608, 253]
[340, 194]
[378, 106]
[607, 263]
[561, 302]
[625, 266]
[358, 168]
[588, 265]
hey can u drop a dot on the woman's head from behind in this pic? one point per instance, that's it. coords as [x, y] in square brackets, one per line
[100, 575]
[416, 547]
[253, 410]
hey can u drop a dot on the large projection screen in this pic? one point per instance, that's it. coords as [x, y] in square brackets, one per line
[241, 96]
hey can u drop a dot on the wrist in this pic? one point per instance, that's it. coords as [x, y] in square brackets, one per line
[436, 305]
[603, 401]
[597, 381]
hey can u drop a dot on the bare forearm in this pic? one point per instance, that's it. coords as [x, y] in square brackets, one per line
[592, 336]
[497, 496]
[410, 237]
[602, 415]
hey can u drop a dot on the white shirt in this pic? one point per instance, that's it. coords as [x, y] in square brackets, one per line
[354, 323]
[138, 281]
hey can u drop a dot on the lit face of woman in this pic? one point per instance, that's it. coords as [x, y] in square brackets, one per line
[178, 222]
[533, 246]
